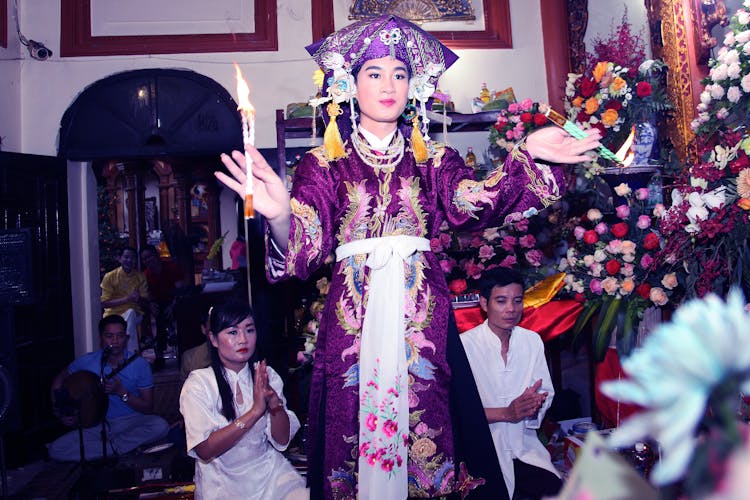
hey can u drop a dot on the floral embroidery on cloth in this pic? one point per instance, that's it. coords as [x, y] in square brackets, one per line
[307, 233]
[379, 443]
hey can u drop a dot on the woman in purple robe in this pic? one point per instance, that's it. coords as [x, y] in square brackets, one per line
[388, 416]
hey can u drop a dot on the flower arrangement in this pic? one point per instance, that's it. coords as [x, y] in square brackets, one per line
[725, 100]
[688, 377]
[611, 269]
[708, 222]
[521, 243]
[620, 87]
[512, 125]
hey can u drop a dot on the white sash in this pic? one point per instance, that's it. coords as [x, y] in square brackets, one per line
[383, 376]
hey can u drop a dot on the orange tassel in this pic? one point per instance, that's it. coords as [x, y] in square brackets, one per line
[334, 146]
[418, 146]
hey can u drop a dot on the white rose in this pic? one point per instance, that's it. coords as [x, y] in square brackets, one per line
[588, 260]
[734, 93]
[622, 189]
[729, 39]
[593, 214]
[600, 256]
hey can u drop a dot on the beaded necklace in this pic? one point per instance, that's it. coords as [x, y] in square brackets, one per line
[376, 159]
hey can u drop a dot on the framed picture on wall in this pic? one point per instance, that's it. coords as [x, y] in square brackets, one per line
[489, 30]
[90, 28]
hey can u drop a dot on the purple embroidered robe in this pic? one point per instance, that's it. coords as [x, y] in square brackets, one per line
[341, 201]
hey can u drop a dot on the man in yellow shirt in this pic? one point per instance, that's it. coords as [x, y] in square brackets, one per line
[124, 291]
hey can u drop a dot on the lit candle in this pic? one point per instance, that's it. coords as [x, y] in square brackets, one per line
[247, 111]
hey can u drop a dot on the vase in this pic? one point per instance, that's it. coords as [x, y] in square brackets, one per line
[644, 141]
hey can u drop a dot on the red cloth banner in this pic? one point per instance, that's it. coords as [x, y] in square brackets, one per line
[549, 320]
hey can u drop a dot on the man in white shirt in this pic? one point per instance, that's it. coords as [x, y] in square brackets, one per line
[514, 384]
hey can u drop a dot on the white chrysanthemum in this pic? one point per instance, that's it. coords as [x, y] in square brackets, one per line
[734, 93]
[729, 39]
[674, 373]
[743, 17]
[745, 83]
[717, 91]
[722, 113]
[718, 73]
[746, 48]
[742, 37]
[732, 57]
[706, 97]
[734, 71]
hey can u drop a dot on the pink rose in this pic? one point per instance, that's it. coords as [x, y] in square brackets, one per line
[508, 243]
[622, 211]
[601, 228]
[658, 296]
[486, 252]
[527, 241]
[610, 285]
[641, 193]
[659, 210]
[534, 257]
[644, 222]
[669, 281]
[578, 232]
[627, 270]
[596, 287]
[613, 246]
[509, 261]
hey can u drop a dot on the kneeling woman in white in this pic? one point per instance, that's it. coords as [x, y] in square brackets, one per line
[236, 421]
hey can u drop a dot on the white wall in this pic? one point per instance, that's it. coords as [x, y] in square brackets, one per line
[10, 83]
[276, 78]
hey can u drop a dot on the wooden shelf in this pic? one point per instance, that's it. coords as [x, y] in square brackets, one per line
[301, 128]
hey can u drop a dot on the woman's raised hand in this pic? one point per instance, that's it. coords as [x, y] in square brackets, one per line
[270, 196]
[555, 145]
[260, 383]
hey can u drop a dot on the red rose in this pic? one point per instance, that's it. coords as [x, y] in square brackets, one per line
[457, 286]
[539, 119]
[582, 117]
[643, 89]
[579, 297]
[613, 104]
[612, 267]
[619, 230]
[643, 290]
[526, 117]
[588, 87]
[651, 241]
[590, 237]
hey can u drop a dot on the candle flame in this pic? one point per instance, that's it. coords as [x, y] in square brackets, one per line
[243, 95]
[625, 154]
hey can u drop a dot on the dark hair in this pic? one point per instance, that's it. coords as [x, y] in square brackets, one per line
[113, 319]
[149, 248]
[132, 249]
[220, 317]
[498, 276]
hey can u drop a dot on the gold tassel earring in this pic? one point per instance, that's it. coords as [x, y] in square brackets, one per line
[334, 146]
[418, 146]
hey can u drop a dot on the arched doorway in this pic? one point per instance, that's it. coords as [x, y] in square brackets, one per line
[153, 137]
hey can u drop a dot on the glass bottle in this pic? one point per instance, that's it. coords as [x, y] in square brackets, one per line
[484, 93]
[471, 158]
[655, 190]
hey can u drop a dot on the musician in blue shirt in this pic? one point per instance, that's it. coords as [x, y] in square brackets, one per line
[110, 376]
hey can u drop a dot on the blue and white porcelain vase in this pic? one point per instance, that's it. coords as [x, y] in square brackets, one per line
[643, 142]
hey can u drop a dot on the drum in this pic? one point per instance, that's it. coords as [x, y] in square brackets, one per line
[86, 398]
